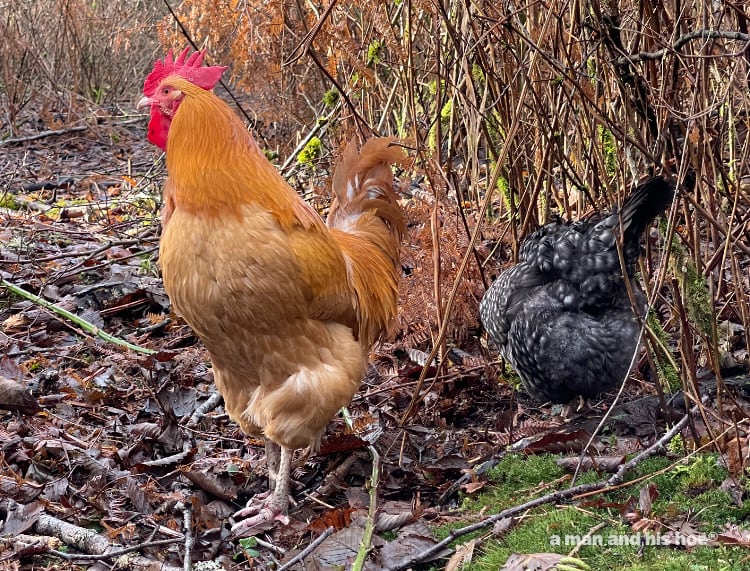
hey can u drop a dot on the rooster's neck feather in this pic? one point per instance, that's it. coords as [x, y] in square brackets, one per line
[215, 166]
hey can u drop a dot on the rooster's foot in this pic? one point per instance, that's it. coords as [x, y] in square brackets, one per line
[257, 504]
[263, 519]
[254, 505]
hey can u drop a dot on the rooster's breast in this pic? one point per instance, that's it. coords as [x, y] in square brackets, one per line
[226, 273]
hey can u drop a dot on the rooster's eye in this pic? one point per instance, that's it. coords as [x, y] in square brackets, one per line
[165, 91]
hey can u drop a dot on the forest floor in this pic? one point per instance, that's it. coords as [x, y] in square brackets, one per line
[101, 437]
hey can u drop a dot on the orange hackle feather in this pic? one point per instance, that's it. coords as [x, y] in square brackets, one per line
[233, 170]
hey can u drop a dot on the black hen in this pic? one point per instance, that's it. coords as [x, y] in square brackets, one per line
[562, 316]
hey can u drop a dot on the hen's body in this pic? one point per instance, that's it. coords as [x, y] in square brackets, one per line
[562, 316]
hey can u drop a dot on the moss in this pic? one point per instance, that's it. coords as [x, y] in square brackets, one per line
[331, 97]
[505, 192]
[311, 152]
[9, 201]
[668, 375]
[609, 146]
[445, 114]
[690, 491]
[694, 289]
[477, 72]
[374, 53]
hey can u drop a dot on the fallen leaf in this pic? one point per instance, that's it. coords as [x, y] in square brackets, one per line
[541, 562]
[472, 487]
[15, 397]
[462, 557]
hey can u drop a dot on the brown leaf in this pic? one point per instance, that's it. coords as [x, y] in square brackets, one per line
[733, 535]
[15, 322]
[647, 496]
[540, 562]
[15, 397]
[472, 487]
[408, 545]
[462, 557]
[338, 549]
[23, 492]
[338, 519]
[21, 517]
[391, 521]
[736, 451]
[211, 484]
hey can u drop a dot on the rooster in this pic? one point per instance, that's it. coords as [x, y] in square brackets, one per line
[287, 306]
[562, 316]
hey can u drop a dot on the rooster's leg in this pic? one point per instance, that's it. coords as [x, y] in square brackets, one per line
[280, 498]
[273, 508]
[259, 501]
[273, 452]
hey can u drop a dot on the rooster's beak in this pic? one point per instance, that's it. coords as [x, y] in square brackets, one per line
[144, 102]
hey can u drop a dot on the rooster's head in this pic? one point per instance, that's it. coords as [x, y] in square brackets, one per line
[163, 99]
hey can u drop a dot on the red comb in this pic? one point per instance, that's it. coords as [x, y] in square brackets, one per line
[186, 67]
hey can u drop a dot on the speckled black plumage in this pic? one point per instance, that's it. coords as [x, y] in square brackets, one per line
[562, 316]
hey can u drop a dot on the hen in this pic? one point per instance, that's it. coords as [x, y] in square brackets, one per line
[562, 316]
[287, 306]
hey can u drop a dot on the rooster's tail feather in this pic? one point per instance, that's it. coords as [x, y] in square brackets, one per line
[367, 223]
[363, 182]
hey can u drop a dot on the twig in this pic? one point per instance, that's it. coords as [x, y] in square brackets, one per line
[307, 550]
[319, 125]
[115, 552]
[187, 524]
[366, 544]
[684, 39]
[585, 539]
[558, 496]
[82, 323]
[304, 44]
[95, 546]
[213, 401]
[190, 40]
[43, 134]
[270, 546]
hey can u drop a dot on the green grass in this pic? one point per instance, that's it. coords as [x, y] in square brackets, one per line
[686, 492]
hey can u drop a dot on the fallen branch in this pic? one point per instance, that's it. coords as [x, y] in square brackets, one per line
[365, 544]
[42, 135]
[187, 524]
[82, 323]
[97, 547]
[554, 497]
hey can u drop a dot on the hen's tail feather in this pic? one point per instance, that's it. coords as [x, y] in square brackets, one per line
[367, 223]
[650, 199]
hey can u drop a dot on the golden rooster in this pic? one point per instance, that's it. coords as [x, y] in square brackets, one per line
[287, 306]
